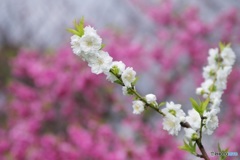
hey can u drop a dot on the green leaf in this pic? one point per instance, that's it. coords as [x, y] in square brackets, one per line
[223, 156]
[194, 103]
[102, 46]
[204, 105]
[193, 146]
[76, 26]
[130, 92]
[189, 147]
[221, 46]
[115, 70]
[196, 106]
[80, 28]
[184, 147]
[119, 82]
[161, 104]
[73, 31]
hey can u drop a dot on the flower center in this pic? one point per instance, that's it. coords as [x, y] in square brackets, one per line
[89, 43]
[100, 61]
[128, 77]
[171, 123]
[137, 107]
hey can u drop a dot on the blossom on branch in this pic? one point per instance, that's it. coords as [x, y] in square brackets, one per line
[138, 107]
[171, 124]
[151, 98]
[201, 119]
[191, 134]
[100, 62]
[174, 109]
[128, 76]
[194, 119]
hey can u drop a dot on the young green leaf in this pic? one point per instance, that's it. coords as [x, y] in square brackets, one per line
[119, 82]
[224, 153]
[81, 22]
[161, 104]
[196, 106]
[204, 105]
[80, 28]
[194, 103]
[77, 27]
[193, 145]
[115, 70]
[102, 46]
[189, 147]
[221, 46]
[73, 31]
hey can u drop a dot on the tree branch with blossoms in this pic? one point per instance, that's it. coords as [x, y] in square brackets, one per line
[201, 119]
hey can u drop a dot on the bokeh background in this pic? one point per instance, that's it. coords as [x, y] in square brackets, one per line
[52, 107]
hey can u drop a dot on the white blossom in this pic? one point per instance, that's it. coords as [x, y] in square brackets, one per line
[138, 107]
[190, 133]
[75, 44]
[194, 119]
[89, 30]
[215, 107]
[111, 77]
[128, 76]
[206, 86]
[215, 75]
[90, 43]
[209, 71]
[216, 95]
[199, 91]
[171, 124]
[150, 98]
[228, 56]
[213, 56]
[101, 62]
[120, 66]
[211, 123]
[182, 119]
[215, 110]
[222, 74]
[173, 109]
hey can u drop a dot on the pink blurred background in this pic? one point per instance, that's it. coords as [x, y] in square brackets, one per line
[52, 107]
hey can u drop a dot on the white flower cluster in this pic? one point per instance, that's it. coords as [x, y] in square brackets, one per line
[138, 106]
[215, 75]
[216, 72]
[88, 47]
[87, 44]
[174, 115]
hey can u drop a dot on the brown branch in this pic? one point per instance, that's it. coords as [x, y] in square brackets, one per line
[199, 143]
[204, 153]
[199, 155]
